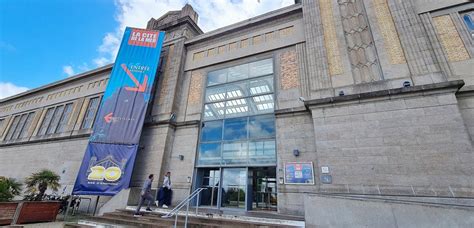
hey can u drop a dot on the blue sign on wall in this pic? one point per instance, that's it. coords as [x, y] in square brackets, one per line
[110, 155]
[299, 173]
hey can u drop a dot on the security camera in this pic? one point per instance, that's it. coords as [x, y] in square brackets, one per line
[302, 99]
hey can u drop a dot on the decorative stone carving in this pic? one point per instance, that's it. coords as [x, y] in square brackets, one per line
[289, 70]
[330, 38]
[196, 87]
[360, 43]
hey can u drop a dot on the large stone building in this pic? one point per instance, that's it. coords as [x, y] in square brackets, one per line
[377, 94]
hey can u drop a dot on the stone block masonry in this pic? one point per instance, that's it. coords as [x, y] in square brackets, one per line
[401, 143]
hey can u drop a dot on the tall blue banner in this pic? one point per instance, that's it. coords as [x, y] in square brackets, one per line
[110, 155]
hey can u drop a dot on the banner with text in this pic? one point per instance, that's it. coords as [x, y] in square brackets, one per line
[119, 121]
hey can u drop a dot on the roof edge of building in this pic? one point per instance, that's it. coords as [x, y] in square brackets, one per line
[60, 82]
[249, 22]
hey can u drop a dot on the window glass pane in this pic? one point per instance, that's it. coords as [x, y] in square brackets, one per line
[18, 129]
[263, 104]
[90, 113]
[55, 120]
[211, 131]
[261, 85]
[46, 121]
[238, 73]
[237, 108]
[262, 152]
[235, 129]
[214, 111]
[16, 119]
[234, 153]
[236, 90]
[24, 131]
[215, 93]
[209, 154]
[262, 126]
[64, 118]
[260, 68]
[217, 77]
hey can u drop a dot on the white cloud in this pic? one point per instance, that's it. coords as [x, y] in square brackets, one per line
[9, 89]
[68, 70]
[213, 14]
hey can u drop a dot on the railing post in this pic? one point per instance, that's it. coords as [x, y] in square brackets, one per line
[175, 220]
[187, 211]
[197, 202]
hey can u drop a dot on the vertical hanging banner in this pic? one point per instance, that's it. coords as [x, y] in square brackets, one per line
[110, 154]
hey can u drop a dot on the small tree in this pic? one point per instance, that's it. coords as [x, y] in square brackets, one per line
[39, 182]
[9, 188]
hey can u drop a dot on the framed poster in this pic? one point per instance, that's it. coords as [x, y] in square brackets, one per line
[299, 173]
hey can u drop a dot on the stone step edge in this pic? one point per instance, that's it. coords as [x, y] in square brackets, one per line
[242, 218]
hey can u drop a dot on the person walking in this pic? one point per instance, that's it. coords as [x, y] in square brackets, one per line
[166, 190]
[145, 194]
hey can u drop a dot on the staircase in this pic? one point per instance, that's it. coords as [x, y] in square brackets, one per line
[125, 218]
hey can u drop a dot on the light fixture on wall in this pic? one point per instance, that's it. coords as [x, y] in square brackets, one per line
[189, 179]
[172, 117]
[341, 93]
[181, 157]
[406, 84]
[296, 152]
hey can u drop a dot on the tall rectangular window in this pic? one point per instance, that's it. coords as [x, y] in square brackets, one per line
[20, 126]
[90, 113]
[238, 122]
[12, 128]
[64, 118]
[29, 119]
[55, 119]
[46, 121]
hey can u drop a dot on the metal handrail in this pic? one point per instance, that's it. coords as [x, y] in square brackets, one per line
[186, 201]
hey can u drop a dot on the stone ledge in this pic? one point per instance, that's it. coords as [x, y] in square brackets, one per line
[450, 85]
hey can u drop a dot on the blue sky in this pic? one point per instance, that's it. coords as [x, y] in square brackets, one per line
[42, 41]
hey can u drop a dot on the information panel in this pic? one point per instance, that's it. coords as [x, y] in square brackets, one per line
[299, 173]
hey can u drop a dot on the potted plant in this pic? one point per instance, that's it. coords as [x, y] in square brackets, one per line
[38, 210]
[9, 188]
[39, 182]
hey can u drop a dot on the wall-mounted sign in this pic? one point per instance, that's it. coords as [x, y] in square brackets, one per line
[299, 173]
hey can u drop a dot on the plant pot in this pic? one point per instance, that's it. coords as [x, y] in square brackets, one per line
[38, 211]
[7, 212]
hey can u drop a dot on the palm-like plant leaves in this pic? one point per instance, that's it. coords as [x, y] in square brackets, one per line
[9, 188]
[40, 181]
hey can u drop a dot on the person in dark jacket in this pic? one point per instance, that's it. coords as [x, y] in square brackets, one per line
[145, 194]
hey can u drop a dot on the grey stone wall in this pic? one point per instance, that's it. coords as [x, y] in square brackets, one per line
[64, 157]
[331, 211]
[294, 131]
[466, 107]
[404, 145]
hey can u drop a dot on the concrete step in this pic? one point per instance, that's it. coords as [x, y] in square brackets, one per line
[192, 221]
[261, 219]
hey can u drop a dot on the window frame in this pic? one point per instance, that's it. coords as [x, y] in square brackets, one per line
[99, 99]
[247, 140]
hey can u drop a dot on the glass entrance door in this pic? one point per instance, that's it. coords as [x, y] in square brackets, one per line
[210, 181]
[264, 192]
[234, 188]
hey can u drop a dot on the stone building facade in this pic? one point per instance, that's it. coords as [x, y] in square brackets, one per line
[378, 92]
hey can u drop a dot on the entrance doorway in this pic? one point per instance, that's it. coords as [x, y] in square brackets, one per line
[244, 188]
[264, 191]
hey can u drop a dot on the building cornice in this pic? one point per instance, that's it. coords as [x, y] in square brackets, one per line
[270, 16]
[453, 86]
[60, 82]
